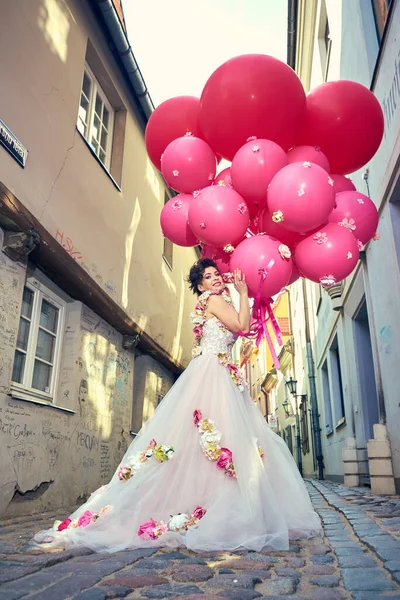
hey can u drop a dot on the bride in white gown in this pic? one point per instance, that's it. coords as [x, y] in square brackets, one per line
[206, 471]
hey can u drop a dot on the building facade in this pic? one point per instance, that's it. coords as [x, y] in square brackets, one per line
[94, 325]
[354, 343]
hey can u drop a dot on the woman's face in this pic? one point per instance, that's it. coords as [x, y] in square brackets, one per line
[212, 280]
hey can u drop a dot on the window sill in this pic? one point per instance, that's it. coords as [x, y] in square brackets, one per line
[106, 171]
[329, 433]
[27, 397]
[341, 423]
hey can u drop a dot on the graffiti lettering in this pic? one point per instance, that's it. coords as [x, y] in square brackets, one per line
[68, 245]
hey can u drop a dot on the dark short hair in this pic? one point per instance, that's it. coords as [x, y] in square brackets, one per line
[196, 273]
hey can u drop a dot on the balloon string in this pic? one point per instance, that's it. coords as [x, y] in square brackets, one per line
[259, 324]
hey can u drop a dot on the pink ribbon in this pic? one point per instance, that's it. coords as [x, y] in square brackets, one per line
[262, 314]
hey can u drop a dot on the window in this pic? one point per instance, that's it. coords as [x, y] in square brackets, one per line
[168, 250]
[95, 118]
[37, 353]
[324, 41]
[305, 444]
[327, 399]
[381, 11]
[337, 383]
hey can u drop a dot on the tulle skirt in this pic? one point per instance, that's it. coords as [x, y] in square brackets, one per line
[227, 480]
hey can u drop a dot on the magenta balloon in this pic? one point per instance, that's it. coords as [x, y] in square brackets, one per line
[219, 216]
[174, 221]
[302, 196]
[309, 153]
[295, 274]
[277, 230]
[224, 178]
[253, 168]
[218, 255]
[262, 252]
[251, 95]
[342, 183]
[188, 164]
[357, 213]
[327, 256]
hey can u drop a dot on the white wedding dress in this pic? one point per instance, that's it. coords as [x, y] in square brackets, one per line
[209, 476]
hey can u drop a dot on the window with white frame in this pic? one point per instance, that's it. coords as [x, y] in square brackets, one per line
[96, 117]
[38, 347]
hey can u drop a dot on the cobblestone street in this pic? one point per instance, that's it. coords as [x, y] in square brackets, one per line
[359, 558]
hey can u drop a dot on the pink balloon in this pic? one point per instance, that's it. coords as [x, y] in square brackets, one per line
[277, 230]
[301, 196]
[188, 164]
[309, 153]
[327, 256]
[357, 213]
[219, 216]
[174, 221]
[253, 168]
[224, 178]
[342, 184]
[261, 252]
[218, 255]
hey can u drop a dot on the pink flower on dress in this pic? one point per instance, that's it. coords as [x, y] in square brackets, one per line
[64, 525]
[124, 473]
[225, 459]
[86, 518]
[152, 444]
[147, 530]
[199, 512]
[197, 417]
[197, 331]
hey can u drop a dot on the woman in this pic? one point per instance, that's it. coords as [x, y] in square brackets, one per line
[206, 471]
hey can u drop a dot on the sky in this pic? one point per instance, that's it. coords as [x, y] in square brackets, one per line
[179, 43]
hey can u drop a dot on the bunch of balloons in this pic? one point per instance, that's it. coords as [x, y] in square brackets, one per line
[283, 208]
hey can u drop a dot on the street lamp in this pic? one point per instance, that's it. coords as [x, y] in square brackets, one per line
[292, 387]
[285, 406]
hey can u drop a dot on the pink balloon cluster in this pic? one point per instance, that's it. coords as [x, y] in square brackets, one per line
[284, 208]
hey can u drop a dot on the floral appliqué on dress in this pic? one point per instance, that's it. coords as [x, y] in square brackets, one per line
[209, 442]
[134, 463]
[151, 530]
[198, 319]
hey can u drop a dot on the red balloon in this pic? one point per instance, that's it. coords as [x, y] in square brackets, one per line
[251, 95]
[357, 213]
[295, 274]
[188, 164]
[327, 256]
[219, 216]
[346, 120]
[253, 168]
[342, 184]
[277, 230]
[174, 221]
[308, 153]
[224, 178]
[301, 196]
[170, 120]
[262, 254]
[218, 255]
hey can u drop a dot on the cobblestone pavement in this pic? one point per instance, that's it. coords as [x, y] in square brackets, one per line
[359, 559]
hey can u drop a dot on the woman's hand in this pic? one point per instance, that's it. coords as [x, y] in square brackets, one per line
[239, 280]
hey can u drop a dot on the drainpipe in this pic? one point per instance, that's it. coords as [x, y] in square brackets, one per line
[298, 439]
[313, 389]
[292, 33]
[125, 55]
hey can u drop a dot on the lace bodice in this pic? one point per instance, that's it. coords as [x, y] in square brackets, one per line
[216, 339]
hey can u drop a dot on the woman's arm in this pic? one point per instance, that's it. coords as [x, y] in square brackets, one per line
[233, 320]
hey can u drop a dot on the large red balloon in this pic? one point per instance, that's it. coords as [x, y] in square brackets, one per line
[174, 221]
[219, 216]
[327, 256]
[308, 153]
[170, 120]
[346, 121]
[251, 95]
[224, 178]
[261, 255]
[218, 255]
[357, 213]
[277, 230]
